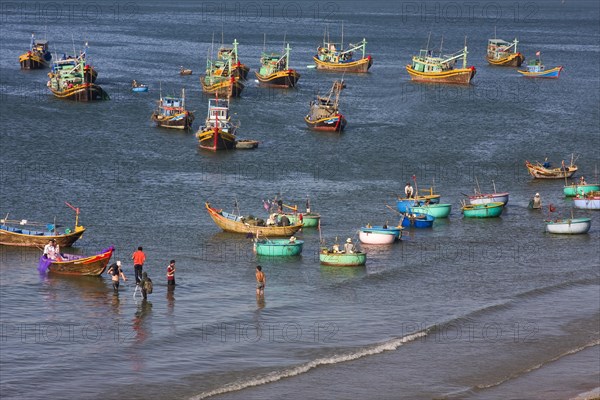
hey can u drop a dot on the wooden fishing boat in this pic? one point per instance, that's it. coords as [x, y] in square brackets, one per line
[502, 53]
[328, 257]
[426, 67]
[589, 201]
[332, 56]
[436, 210]
[575, 189]
[275, 70]
[535, 69]
[238, 224]
[218, 133]
[245, 144]
[278, 247]
[171, 113]
[545, 171]
[72, 264]
[69, 80]
[570, 226]
[416, 220]
[37, 57]
[28, 234]
[487, 210]
[324, 112]
[379, 234]
[230, 55]
[222, 86]
[184, 71]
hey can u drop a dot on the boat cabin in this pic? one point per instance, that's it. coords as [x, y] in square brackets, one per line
[40, 45]
[171, 105]
[535, 66]
[218, 110]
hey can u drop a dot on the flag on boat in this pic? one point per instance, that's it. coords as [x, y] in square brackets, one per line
[538, 53]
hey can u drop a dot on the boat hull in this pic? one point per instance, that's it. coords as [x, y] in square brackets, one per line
[309, 220]
[574, 190]
[435, 210]
[552, 73]
[342, 259]
[32, 61]
[140, 89]
[573, 226]
[379, 235]
[333, 124]
[78, 265]
[236, 225]
[182, 121]
[488, 210]
[215, 140]
[83, 92]
[539, 172]
[278, 248]
[461, 76]
[512, 60]
[17, 237]
[358, 66]
[280, 79]
[225, 88]
[418, 221]
[587, 204]
[403, 204]
[240, 71]
[487, 198]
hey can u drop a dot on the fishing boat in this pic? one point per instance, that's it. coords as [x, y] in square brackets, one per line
[381, 234]
[230, 55]
[503, 53]
[245, 144]
[535, 69]
[38, 56]
[238, 224]
[278, 247]
[138, 86]
[171, 113]
[28, 234]
[588, 201]
[324, 112]
[310, 219]
[484, 198]
[73, 264]
[69, 79]
[435, 210]
[570, 226]
[545, 170]
[332, 56]
[218, 133]
[487, 210]
[339, 259]
[426, 67]
[275, 70]
[417, 220]
[184, 71]
[218, 80]
[578, 188]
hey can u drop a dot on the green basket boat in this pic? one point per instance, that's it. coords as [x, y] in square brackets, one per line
[278, 247]
[488, 210]
[435, 210]
[342, 259]
[311, 220]
[575, 189]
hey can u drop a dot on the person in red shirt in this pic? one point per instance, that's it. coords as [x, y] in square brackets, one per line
[138, 258]
[171, 275]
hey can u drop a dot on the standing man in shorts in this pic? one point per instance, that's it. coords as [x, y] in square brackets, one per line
[138, 258]
[261, 281]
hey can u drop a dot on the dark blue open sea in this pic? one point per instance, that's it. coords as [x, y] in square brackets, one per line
[470, 309]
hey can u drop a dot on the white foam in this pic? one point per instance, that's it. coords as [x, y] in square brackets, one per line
[300, 369]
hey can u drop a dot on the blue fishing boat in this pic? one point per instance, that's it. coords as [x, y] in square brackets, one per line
[416, 220]
[278, 247]
[535, 69]
[138, 87]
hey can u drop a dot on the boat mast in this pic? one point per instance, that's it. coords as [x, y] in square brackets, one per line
[183, 98]
[441, 44]
[264, 42]
[364, 47]
[235, 44]
[287, 57]
[32, 41]
[342, 44]
[465, 56]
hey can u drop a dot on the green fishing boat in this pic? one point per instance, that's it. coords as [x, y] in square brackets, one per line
[311, 220]
[435, 210]
[488, 210]
[328, 257]
[278, 247]
[574, 189]
[275, 70]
